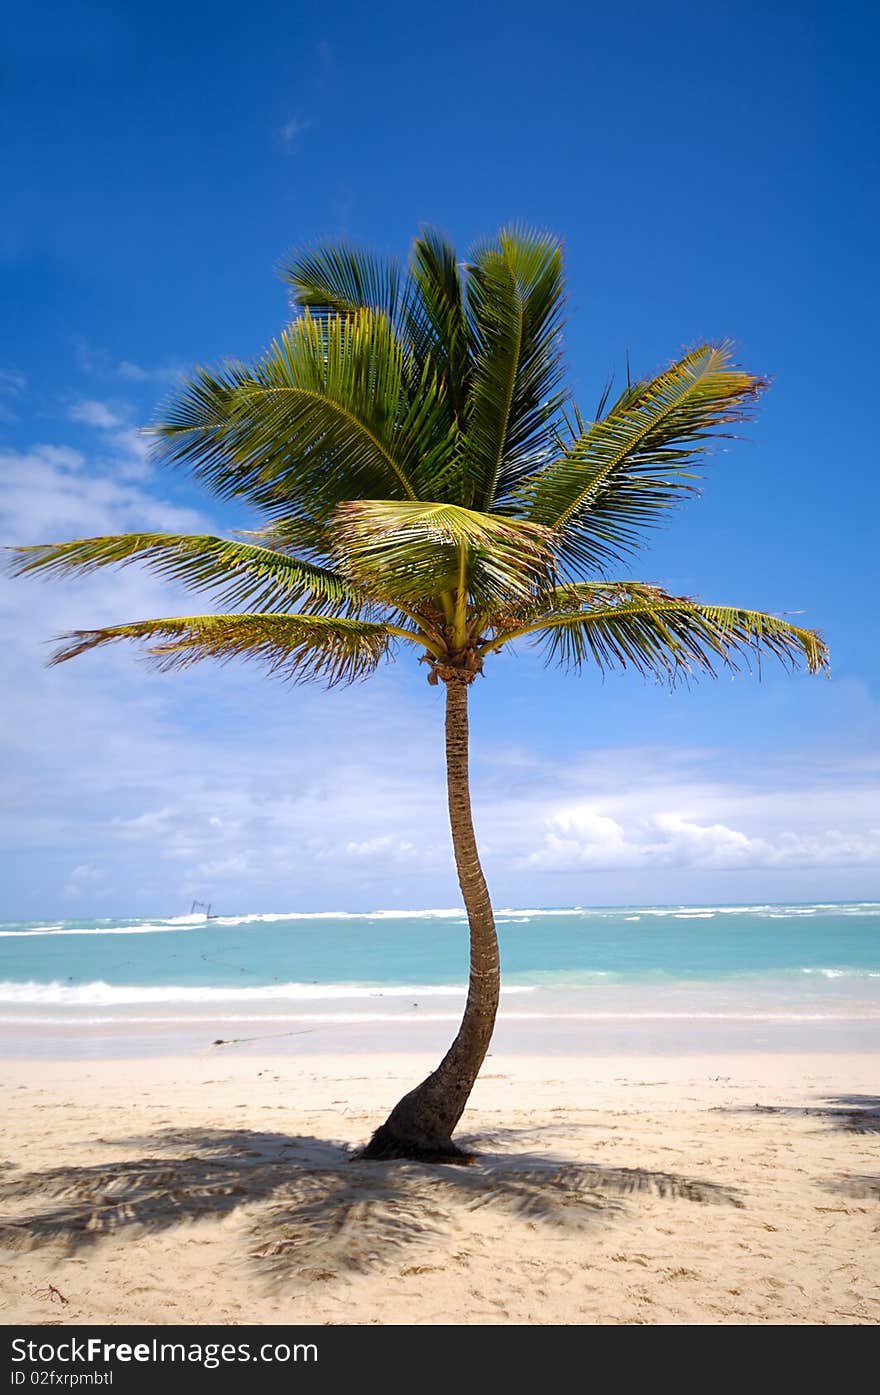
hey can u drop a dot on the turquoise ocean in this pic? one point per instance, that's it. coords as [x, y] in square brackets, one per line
[641, 978]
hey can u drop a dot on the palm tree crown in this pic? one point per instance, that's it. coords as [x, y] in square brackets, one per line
[423, 478]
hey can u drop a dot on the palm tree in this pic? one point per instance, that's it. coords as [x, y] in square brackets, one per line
[425, 482]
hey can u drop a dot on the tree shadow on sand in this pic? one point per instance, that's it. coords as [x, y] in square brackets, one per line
[845, 1113]
[311, 1211]
[862, 1188]
[854, 1187]
[852, 1114]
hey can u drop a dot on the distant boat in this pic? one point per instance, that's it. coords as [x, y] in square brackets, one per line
[205, 907]
[199, 912]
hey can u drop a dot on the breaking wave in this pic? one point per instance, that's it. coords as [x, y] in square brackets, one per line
[100, 994]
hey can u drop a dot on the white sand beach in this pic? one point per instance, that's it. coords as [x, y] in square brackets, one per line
[609, 1190]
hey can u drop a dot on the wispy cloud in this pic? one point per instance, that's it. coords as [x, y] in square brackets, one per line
[389, 846]
[160, 373]
[84, 880]
[125, 442]
[12, 383]
[582, 838]
[289, 134]
[98, 363]
[98, 414]
[49, 493]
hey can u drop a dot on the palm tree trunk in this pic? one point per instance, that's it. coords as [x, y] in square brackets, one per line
[421, 1125]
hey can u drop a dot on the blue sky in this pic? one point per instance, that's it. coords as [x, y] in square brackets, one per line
[713, 173]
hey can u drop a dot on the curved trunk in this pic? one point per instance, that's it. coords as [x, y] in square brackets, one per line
[421, 1125]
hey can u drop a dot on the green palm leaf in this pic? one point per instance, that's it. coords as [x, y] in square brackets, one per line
[515, 303]
[667, 636]
[437, 321]
[328, 411]
[622, 471]
[300, 647]
[425, 305]
[243, 574]
[417, 551]
[338, 279]
[194, 430]
[575, 596]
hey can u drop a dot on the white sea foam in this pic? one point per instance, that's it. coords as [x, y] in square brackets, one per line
[56, 931]
[268, 917]
[843, 973]
[313, 1019]
[505, 914]
[337, 1019]
[100, 994]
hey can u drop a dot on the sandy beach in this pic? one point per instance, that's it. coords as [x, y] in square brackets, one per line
[738, 1189]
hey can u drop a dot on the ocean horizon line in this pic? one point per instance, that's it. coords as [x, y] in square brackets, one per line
[132, 924]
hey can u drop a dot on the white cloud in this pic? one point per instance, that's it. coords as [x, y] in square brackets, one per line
[12, 383]
[388, 845]
[49, 494]
[222, 868]
[97, 414]
[84, 880]
[831, 848]
[124, 446]
[291, 131]
[132, 449]
[98, 363]
[159, 373]
[583, 838]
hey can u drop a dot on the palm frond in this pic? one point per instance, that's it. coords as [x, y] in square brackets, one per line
[299, 647]
[437, 323]
[666, 636]
[193, 426]
[515, 300]
[576, 596]
[622, 471]
[296, 534]
[338, 279]
[416, 551]
[326, 414]
[242, 573]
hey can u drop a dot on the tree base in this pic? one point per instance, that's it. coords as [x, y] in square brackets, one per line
[386, 1145]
